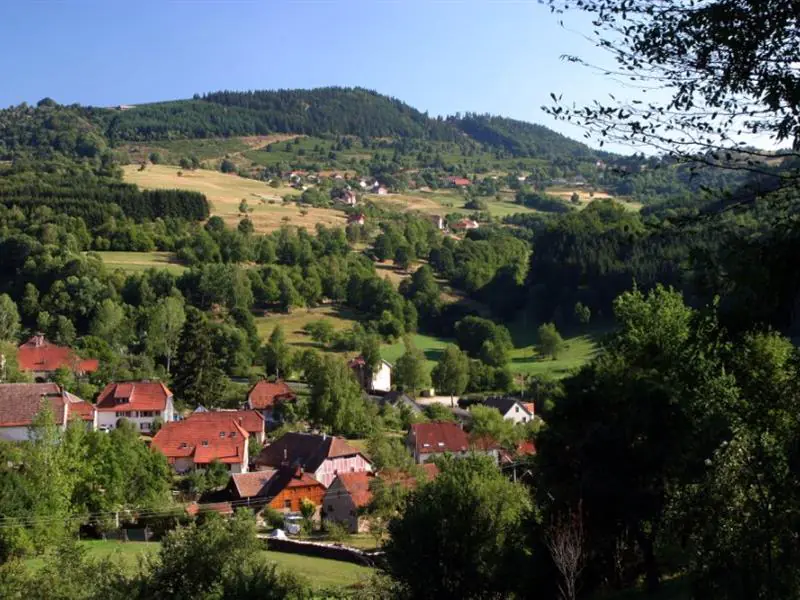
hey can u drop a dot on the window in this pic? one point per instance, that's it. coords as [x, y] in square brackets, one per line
[330, 507]
[516, 409]
[144, 426]
[222, 434]
[287, 504]
[204, 442]
[233, 434]
[183, 445]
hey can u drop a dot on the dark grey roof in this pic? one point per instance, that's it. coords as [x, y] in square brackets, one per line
[306, 450]
[503, 404]
[401, 398]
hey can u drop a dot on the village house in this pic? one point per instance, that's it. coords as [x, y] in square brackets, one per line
[438, 222]
[251, 421]
[380, 381]
[140, 402]
[196, 443]
[42, 359]
[21, 402]
[459, 181]
[350, 493]
[356, 219]
[321, 456]
[283, 489]
[465, 225]
[511, 409]
[429, 440]
[267, 398]
[348, 198]
[400, 400]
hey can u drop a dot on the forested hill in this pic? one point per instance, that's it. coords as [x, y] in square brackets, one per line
[318, 112]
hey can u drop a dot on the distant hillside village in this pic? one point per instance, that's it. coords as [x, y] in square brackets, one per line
[265, 462]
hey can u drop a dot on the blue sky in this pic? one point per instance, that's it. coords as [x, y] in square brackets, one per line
[443, 57]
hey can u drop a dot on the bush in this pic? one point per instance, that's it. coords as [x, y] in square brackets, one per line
[335, 531]
[273, 517]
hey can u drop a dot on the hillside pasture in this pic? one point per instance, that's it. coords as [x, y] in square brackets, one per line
[293, 323]
[225, 193]
[135, 262]
[209, 149]
[587, 196]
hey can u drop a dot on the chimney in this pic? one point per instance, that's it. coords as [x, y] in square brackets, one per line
[298, 471]
[38, 340]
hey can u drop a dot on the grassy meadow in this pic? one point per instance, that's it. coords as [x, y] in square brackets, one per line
[225, 193]
[134, 262]
[293, 323]
[321, 572]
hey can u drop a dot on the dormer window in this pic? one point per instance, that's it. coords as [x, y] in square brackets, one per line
[233, 434]
[183, 445]
[222, 434]
[441, 444]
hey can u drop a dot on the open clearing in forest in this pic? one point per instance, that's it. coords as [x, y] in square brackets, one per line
[225, 193]
[135, 262]
[293, 323]
[321, 572]
[443, 202]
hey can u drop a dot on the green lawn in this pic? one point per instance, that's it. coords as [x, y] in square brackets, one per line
[293, 323]
[133, 262]
[523, 358]
[322, 573]
[431, 346]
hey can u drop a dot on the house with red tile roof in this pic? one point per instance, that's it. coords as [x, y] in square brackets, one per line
[322, 456]
[251, 421]
[42, 359]
[140, 402]
[196, 443]
[21, 402]
[267, 397]
[429, 440]
[464, 225]
[459, 181]
[356, 219]
[350, 493]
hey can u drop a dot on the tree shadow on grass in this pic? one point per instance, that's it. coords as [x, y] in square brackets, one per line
[434, 354]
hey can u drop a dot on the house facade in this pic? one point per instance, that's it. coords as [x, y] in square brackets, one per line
[140, 402]
[21, 402]
[196, 443]
[283, 489]
[42, 359]
[321, 456]
[511, 409]
[267, 396]
[381, 379]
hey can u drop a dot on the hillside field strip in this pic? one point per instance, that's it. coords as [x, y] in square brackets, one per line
[134, 262]
[225, 193]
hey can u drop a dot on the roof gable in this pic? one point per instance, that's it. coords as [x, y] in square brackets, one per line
[438, 437]
[38, 354]
[251, 421]
[306, 450]
[134, 395]
[265, 394]
[21, 402]
[204, 441]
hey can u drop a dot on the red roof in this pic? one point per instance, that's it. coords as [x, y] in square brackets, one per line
[459, 181]
[37, 354]
[203, 441]
[223, 508]
[265, 394]
[465, 224]
[357, 485]
[439, 437]
[133, 395]
[250, 420]
[20, 403]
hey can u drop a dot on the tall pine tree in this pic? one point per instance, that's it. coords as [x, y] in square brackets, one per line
[198, 377]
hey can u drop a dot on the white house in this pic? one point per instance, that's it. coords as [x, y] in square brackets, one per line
[21, 402]
[381, 380]
[511, 409]
[140, 402]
